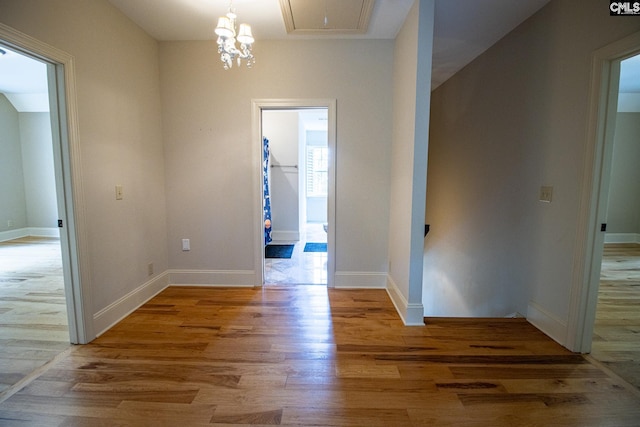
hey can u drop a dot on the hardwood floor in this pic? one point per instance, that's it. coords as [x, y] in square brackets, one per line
[616, 339]
[312, 356]
[33, 316]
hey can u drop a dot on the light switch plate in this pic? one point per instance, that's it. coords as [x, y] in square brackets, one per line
[546, 194]
[119, 195]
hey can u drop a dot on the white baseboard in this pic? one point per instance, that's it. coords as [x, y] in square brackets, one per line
[115, 312]
[44, 231]
[284, 236]
[547, 323]
[411, 314]
[360, 280]
[19, 233]
[13, 234]
[622, 238]
[231, 278]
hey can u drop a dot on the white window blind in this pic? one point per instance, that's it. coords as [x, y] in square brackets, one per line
[317, 171]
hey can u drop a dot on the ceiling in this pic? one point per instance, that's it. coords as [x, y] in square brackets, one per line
[195, 19]
[23, 81]
[463, 29]
[630, 75]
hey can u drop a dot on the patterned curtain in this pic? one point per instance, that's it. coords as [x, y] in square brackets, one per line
[267, 199]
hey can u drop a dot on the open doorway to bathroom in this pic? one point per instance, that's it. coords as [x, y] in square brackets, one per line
[296, 190]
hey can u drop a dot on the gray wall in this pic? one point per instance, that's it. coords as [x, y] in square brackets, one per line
[623, 215]
[37, 164]
[511, 121]
[210, 153]
[13, 204]
[27, 180]
[120, 133]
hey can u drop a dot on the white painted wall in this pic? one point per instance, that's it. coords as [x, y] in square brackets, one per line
[282, 130]
[511, 121]
[623, 214]
[27, 183]
[210, 157]
[411, 84]
[118, 98]
[37, 166]
[13, 204]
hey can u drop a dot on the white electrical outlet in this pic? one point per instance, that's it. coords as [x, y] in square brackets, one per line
[186, 245]
[10, 223]
[546, 194]
[150, 269]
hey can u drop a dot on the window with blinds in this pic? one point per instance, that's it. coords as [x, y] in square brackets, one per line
[317, 171]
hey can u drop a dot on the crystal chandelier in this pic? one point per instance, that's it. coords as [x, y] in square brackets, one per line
[226, 31]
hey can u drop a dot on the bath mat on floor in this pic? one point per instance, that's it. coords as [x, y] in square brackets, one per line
[315, 247]
[278, 251]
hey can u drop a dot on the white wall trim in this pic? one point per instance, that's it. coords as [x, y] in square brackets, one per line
[411, 314]
[547, 322]
[29, 231]
[622, 238]
[13, 234]
[244, 278]
[109, 316]
[414, 315]
[360, 280]
[44, 231]
[284, 236]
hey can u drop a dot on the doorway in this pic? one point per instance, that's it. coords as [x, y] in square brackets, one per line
[296, 194]
[55, 242]
[616, 342]
[592, 220]
[33, 307]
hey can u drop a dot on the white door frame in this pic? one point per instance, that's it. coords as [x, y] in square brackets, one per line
[257, 106]
[67, 165]
[593, 209]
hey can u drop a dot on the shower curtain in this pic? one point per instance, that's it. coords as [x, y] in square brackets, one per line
[265, 186]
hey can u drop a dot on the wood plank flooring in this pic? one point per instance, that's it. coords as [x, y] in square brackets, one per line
[616, 339]
[311, 356]
[33, 315]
